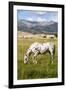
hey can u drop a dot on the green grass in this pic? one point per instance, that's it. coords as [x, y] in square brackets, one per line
[43, 69]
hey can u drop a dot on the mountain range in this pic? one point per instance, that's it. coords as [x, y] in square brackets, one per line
[35, 27]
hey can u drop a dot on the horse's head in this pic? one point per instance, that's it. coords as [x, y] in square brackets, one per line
[25, 59]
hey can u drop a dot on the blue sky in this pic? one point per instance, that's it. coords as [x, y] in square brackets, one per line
[37, 15]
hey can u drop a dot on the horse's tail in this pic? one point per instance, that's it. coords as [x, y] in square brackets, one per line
[54, 50]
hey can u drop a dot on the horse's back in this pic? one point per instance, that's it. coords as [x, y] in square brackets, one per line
[42, 47]
[34, 44]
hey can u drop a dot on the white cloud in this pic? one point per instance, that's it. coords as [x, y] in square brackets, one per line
[30, 19]
[39, 19]
[40, 12]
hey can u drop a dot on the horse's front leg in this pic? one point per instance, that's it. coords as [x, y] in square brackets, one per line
[52, 57]
[34, 58]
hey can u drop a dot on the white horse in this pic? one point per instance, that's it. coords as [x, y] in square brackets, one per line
[38, 48]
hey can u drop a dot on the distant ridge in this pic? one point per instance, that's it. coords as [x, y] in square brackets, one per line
[35, 27]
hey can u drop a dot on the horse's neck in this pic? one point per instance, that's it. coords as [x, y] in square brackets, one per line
[28, 52]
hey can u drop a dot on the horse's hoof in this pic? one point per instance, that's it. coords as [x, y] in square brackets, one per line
[35, 62]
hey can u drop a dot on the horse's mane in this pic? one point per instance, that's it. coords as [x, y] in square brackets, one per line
[28, 52]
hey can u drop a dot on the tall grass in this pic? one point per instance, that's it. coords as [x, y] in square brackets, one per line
[43, 69]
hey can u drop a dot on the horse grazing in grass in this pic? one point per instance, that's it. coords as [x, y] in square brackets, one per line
[38, 48]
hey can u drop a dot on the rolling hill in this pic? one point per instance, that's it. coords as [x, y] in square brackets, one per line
[35, 27]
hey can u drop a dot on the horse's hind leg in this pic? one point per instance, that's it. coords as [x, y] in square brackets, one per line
[52, 57]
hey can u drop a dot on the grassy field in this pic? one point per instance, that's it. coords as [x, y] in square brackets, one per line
[43, 69]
